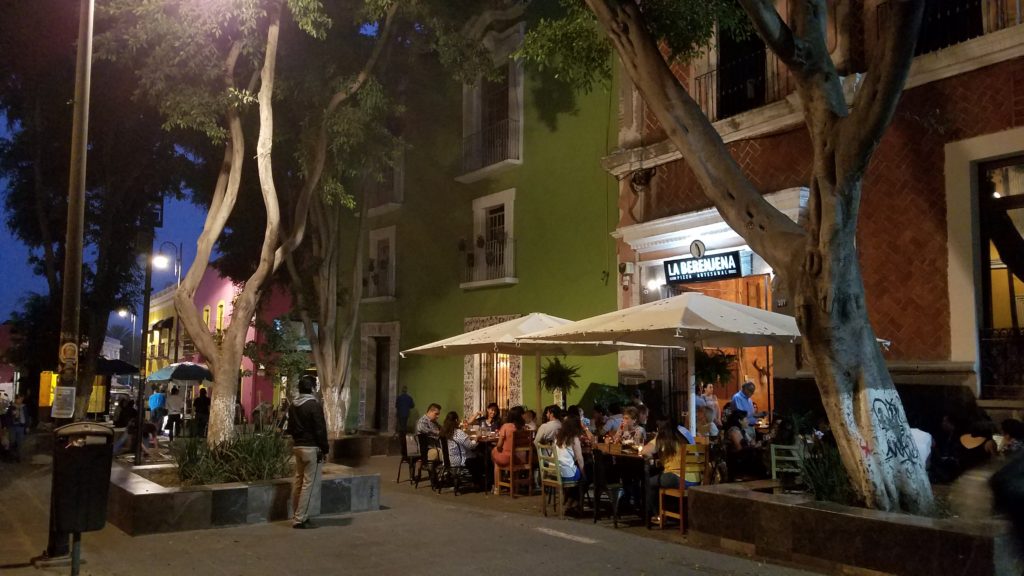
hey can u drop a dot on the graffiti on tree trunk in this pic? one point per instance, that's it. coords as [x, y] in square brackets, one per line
[899, 442]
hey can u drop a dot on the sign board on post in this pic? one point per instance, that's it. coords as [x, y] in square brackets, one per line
[63, 402]
[714, 267]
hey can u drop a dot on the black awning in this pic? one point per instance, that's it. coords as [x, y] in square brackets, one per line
[167, 323]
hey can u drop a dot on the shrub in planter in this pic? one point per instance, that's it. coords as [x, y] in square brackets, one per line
[824, 474]
[249, 457]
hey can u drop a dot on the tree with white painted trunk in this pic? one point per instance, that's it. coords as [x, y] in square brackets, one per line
[201, 65]
[818, 262]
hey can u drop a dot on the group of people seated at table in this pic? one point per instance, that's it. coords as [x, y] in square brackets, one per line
[574, 437]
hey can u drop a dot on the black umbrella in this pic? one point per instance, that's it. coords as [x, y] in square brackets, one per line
[107, 367]
[181, 371]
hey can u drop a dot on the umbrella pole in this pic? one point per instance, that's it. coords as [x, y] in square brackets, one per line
[539, 402]
[691, 379]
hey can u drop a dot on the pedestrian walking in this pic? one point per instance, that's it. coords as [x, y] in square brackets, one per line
[201, 408]
[404, 405]
[308, 429]
[157, 407]
[19, 425]
[175, 407]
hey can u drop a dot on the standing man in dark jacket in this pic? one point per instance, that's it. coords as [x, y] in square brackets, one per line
[308, 430]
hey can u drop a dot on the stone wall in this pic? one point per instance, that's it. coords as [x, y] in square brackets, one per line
[843, 540]
[139, 506]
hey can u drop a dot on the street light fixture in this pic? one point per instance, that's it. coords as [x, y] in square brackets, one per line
[161, 261]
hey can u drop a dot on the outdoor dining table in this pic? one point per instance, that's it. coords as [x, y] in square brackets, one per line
[626, 463]
[485, 444]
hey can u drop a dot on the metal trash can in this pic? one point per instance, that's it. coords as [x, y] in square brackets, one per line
[82, 458]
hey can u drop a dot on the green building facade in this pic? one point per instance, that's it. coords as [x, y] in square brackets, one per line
[499, 208]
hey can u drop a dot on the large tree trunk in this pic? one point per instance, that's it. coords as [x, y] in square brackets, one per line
[863, 407]
[820, 262]
[224, 394]
[332, 343]
[226, 356]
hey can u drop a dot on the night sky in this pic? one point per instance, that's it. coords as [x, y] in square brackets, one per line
[182, 224]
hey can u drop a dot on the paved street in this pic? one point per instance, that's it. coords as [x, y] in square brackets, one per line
[418, 532]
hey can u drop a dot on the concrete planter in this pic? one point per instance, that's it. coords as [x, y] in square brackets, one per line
[139, 506]
[352, 451]
[747, 518]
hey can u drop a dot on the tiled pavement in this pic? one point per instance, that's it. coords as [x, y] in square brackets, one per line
[417, 532]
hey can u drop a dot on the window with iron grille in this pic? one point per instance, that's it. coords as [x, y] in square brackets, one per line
[1001, 228]
[494, 378]
[491, 253]
[379, 269]
[492, 110]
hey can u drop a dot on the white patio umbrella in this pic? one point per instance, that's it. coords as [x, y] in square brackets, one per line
[504, 338]
[682, 321]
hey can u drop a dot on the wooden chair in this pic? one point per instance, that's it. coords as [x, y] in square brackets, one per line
[519, 471]
[408, 458]
[695, 462]
[551, 483]
[785, 459]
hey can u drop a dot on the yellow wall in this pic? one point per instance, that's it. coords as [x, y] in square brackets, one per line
[155, 359]
[1001, 298]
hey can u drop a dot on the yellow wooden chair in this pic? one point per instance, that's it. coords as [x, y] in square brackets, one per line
[519, 471]
[551, 483]
[695, 462]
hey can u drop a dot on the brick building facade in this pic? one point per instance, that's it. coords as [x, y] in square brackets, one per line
[918, 235]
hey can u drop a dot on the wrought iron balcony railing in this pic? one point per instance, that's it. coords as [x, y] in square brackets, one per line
[950, 22]
[377, 280]
[1002, 364]
[490, 260]
[491, 145]
[750, 82]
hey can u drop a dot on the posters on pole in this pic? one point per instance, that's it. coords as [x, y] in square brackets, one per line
[63, 402]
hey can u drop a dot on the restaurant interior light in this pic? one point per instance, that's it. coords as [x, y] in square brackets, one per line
[653, 284]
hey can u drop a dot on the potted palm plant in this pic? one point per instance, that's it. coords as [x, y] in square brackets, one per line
[558, 376]
[713, 367]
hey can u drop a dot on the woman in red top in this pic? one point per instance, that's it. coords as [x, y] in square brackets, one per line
[502, 452]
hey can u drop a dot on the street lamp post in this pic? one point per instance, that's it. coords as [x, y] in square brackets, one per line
[57, 542]
[139, 395]
[161, 261]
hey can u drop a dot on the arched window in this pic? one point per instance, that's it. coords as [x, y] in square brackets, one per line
[206, 316]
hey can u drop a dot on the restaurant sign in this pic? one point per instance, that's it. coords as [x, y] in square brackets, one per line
[714, 267]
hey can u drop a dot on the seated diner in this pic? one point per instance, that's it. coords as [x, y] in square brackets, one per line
[490, 420]
[462, 448]
[669, 446]
[501, 454]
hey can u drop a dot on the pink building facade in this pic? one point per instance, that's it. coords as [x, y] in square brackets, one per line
[215, 296]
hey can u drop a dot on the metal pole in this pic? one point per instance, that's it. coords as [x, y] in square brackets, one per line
[143, 369]
[177, 316]
[72, 289]
[691, 379]
[76, 552]
[57, 544]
